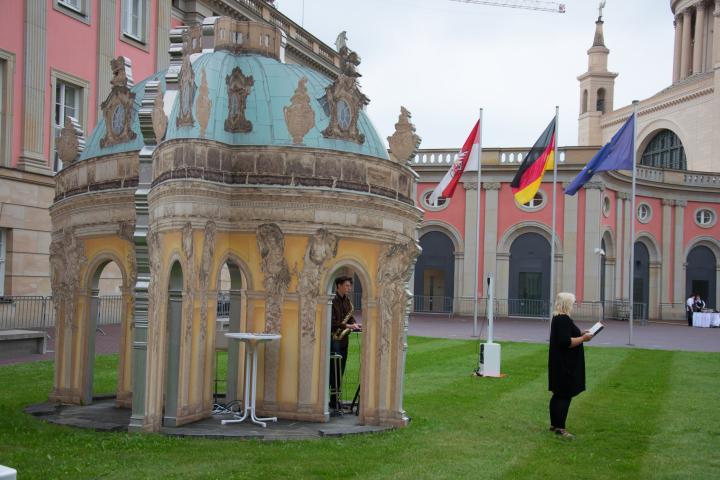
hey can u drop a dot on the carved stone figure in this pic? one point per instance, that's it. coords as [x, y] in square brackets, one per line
[394, 268]
[159, 119]
[271, 243]
[349, 60]
[299, 116]
[204, 274]
[155, 290]
[189, 293]
[322, 246]
[238, 89]
[67, 259]
[204, 104]
[186, 87]
[119, 106]
[341, 41]
[70, 143]
[404, 142]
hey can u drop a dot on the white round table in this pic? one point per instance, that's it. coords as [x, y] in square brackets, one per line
[251, 340]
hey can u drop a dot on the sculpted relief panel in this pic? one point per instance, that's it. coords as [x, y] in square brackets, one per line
[394, 268]
[67, 259]
[271, 243]
[321, 248]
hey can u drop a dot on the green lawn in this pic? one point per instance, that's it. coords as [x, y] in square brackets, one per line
[646, 414]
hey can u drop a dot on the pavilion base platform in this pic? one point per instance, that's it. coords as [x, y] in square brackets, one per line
[104, 416]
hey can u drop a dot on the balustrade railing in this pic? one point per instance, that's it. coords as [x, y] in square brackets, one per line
[37, 312]
[527, 308]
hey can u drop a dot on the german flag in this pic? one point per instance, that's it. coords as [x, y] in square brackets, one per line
[540, 158]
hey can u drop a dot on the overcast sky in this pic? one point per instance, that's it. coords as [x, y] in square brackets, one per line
[443, 60]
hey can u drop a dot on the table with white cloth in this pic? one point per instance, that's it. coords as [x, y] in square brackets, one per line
[251, 340]
[706, 319]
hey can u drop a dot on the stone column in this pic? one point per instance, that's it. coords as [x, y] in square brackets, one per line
[492, 190]
[502, 278]
[32, 155]
[570, 220]
[233, 348]
[667, 230]
[621, 198]
[685, 57]
[471, 216]
[679, 260]
[715, 60]
[88, 363]
[106, 50]
[593, 213]
[678, 47]
[163, 35]
[654, 295]
[698, 49]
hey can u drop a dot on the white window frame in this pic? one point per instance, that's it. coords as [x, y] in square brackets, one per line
[134, 24]
[83, 88]
[3, 249]
[647, 218]
[425, 200]
[7, 76]
[713, 217]
[77, 9]
[531, 206]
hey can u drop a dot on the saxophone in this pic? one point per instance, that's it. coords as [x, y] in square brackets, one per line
[342, 331]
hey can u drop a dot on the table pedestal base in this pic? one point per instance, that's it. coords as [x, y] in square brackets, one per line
[250, 381]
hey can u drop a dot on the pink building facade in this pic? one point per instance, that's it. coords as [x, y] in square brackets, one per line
[676, 246]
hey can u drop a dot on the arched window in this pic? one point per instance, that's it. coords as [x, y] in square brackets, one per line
[585, 101]
[600, 103]
[665, 151]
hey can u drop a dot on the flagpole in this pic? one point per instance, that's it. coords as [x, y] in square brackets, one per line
[632, 224]
[554, 210]
[477, 230]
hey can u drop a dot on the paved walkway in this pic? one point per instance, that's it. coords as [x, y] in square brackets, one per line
[653, 335]
[661, 336]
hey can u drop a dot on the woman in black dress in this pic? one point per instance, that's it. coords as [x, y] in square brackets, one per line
[566, 362]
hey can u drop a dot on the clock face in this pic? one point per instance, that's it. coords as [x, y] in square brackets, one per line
[118, 120]
[343, 114]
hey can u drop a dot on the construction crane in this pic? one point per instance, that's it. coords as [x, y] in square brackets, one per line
[525, 4]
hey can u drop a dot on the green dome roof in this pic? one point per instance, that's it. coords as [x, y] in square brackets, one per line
[274, 85]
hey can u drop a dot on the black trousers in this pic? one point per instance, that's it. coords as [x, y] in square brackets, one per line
[559, 406]
[689, 318]
[337, 347]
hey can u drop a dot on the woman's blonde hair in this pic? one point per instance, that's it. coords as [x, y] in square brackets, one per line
[563, 303]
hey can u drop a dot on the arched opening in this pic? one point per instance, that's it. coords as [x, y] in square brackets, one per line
[665, 150]
[435, 274]
[173, 326]
[585, 101]
[346, 349]
[529, 281]
[701, 275]
[600, 101]
[232, 288]
[641, 281]
[105, 315]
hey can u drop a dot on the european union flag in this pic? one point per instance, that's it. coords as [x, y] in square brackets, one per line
[615, 155]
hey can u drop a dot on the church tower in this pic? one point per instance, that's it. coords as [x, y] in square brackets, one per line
[596, 89]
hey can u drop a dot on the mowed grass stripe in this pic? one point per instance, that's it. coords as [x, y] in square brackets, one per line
[614, 419]
[689, 422]
[537, 442]
[452, 372]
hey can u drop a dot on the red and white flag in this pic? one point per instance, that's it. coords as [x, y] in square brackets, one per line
[467, 160]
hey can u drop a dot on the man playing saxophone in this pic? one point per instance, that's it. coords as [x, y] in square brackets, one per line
[342, 324]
